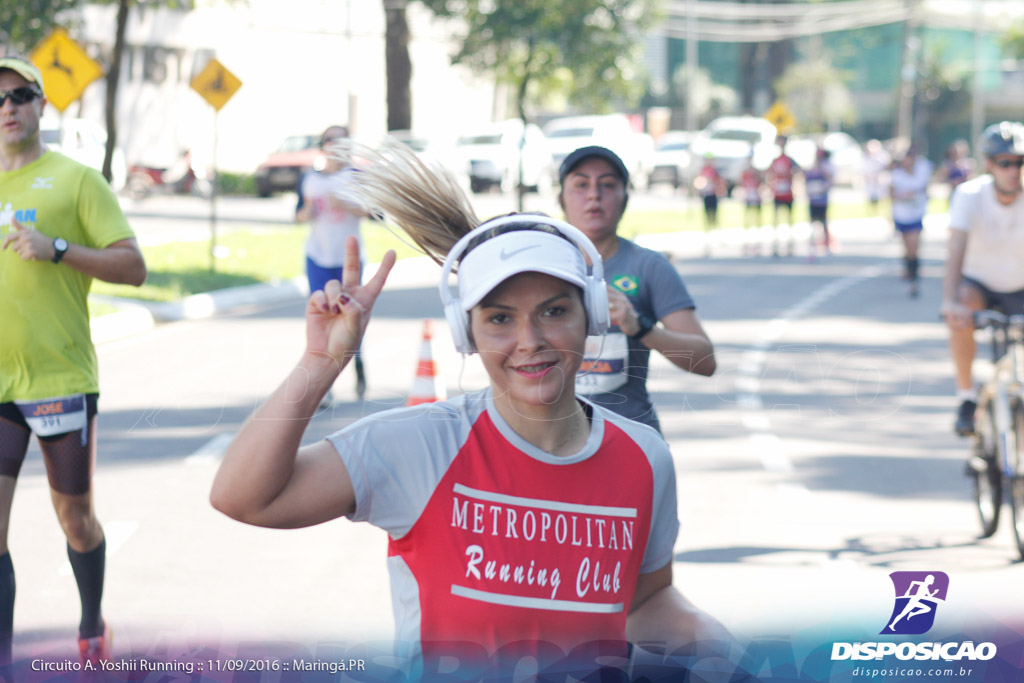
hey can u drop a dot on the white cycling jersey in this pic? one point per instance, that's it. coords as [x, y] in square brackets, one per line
[995, 243]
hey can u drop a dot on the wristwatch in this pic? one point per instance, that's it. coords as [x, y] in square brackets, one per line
[646, 323]
[60, 247]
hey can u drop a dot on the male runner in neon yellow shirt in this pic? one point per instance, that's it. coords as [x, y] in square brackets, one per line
[61, 227]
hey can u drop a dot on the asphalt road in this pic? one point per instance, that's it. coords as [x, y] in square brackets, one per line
[817, 460]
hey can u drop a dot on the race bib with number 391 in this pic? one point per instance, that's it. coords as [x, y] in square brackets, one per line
[53, 416]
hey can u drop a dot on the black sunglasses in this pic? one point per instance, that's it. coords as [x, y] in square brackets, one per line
[1009, 163]
[19, 95]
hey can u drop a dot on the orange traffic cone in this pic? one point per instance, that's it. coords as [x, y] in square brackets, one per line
[426, 388]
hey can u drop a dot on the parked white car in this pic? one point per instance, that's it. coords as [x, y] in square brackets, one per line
[614, 131]
[491, 157]
[84, 141]
[732, 141]
[434, 150]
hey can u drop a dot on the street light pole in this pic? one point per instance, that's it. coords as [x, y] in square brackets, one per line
[691, 65]
[977, 99]
[908, 74]
[348, 64]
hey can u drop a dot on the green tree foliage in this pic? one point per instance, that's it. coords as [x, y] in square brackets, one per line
[816, 93]
[23, 23]
[943, 96]
[1012, 41]
[708, 99]
[586, 49]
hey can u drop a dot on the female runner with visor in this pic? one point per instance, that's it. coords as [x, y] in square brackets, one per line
[522, 519]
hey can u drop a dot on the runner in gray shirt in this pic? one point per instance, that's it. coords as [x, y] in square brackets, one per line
[649, 305]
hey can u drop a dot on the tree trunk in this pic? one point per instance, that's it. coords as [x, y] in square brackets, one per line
[748, 77]
[399, 67]
[113, 78]
[521, 110]
[749, 54]
[780, 56]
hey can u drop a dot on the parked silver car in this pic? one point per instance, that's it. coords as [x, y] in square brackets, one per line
[671, 161]
[494, 155]
[617, 132]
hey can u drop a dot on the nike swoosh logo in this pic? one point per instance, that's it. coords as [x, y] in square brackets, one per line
[505, 255]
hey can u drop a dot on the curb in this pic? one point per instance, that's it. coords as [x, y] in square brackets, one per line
[135, 316]
[209, 304]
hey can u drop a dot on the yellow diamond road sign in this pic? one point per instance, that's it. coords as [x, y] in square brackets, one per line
[66, 69]
[216, 84]
[781, 117]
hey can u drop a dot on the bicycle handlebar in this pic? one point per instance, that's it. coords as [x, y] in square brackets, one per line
[989, 318]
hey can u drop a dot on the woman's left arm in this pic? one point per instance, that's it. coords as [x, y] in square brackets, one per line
[661, 614]
[680, 336]
[682, 340]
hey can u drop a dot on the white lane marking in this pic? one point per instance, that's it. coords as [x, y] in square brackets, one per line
[793, 490]
[116, 534]
[210, 452]
[769, 449]
[747, 386]
[763, 440]
[757, 422]
[751, 362]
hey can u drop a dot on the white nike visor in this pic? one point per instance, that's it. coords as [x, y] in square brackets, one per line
[521, 251]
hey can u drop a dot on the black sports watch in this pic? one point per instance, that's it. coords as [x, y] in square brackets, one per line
[60, 247]
[646, 323]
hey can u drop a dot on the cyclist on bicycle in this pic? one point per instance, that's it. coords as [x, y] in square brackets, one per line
[985, 257]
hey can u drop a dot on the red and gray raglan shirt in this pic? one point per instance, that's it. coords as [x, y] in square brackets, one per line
[493, 540]
[780, 177]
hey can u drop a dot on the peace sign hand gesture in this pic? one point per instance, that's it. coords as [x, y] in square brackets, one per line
[336, 317]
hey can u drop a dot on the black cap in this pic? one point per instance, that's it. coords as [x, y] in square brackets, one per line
[573, 160]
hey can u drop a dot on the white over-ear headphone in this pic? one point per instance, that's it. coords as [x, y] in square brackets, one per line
[595, 293]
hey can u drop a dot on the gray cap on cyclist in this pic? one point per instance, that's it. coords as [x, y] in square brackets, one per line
[1003, 138]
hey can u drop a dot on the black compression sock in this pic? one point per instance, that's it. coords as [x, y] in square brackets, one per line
[89, 568]
[6, 607]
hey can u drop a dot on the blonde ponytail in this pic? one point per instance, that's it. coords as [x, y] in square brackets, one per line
[421, 198]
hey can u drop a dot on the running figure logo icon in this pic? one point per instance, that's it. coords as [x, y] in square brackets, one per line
[917, 597]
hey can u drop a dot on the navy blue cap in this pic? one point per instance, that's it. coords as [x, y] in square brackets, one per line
[573, 160]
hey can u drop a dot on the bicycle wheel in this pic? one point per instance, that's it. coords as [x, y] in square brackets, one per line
[984, 470]
[1017, 480]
